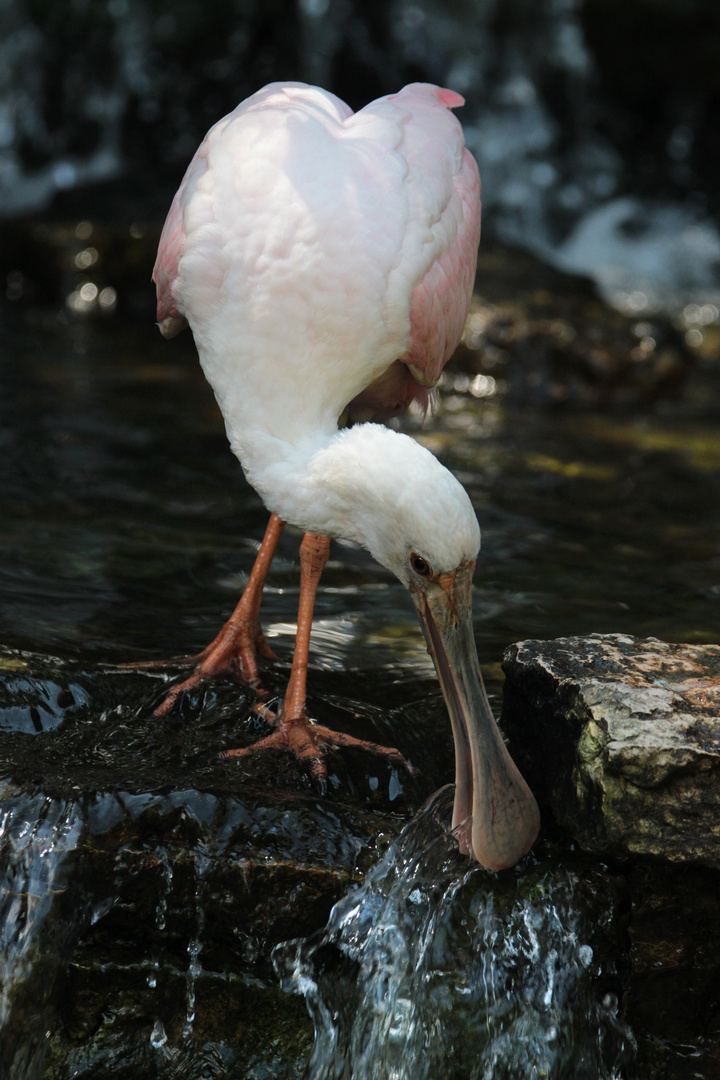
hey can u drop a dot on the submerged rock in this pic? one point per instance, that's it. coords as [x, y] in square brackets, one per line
[545, 339]
[620, 737]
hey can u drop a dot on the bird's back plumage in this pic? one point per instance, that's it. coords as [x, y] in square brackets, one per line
[309, 246]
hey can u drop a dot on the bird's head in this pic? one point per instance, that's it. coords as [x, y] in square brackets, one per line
[395, 498]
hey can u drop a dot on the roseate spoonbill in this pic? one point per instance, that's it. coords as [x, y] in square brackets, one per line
[324, 261]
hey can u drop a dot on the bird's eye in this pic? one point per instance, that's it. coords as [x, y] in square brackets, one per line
[421, 566]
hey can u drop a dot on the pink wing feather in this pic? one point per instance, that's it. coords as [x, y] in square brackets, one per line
[440, 296]
[443, 179]
[172, 240]
[169, 319]
[440, 299]
[439, 302]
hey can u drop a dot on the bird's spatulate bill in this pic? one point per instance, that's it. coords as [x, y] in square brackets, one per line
[495, 813]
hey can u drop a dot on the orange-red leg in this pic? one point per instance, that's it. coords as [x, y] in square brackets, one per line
[233, 653]
[314, 553]
[294, 732]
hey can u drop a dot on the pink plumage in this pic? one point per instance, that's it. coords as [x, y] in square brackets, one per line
[431, 180]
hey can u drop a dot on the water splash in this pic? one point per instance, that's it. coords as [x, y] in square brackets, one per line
[39, 921]
[158, 1035]
[646, 257]
[166, 881]
[37, 835]
[195, 945]
[432, 969]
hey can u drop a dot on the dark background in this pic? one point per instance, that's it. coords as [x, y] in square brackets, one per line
[569, 104]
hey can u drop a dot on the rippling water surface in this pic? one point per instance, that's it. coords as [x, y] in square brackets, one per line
[127, 526]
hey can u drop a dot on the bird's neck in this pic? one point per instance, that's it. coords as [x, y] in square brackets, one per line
[340, 483]
[286, 477]
[366, 483]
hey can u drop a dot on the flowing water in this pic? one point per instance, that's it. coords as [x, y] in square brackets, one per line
[432, 969]
[38, 840]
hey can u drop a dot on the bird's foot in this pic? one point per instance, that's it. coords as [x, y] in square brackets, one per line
[232, 655]
[308, 741]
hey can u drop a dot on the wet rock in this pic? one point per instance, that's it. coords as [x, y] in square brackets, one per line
[136, 930]
[143, 884]
[620, 737]
[39, 697]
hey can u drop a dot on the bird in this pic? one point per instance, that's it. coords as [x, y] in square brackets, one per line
[324, 260]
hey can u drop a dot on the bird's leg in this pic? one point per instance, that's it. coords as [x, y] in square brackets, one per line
[241, 638]
[314, 553]
[294, 732]
[233, 653]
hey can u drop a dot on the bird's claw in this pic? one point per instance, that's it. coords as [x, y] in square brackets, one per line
[232, 656]
[308, 741]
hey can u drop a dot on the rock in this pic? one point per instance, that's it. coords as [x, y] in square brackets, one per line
[144, 884]
[620, 737]
[139, 925]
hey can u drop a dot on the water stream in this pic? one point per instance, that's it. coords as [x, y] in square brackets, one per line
[430, 968]
[38, 842]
